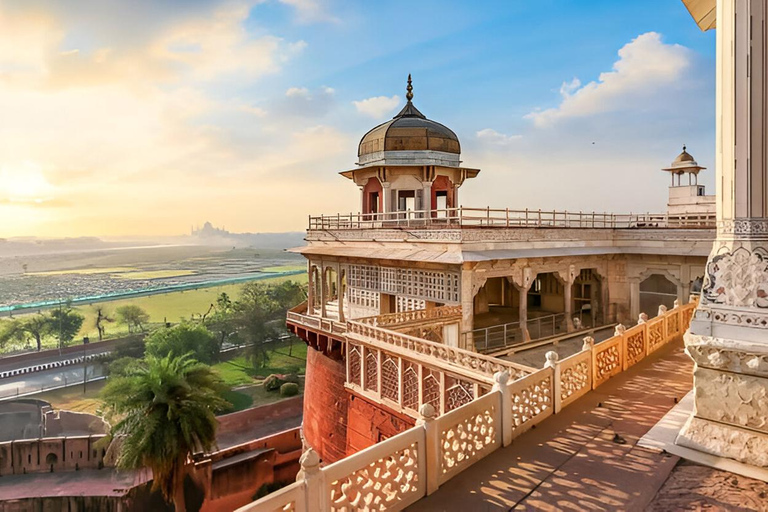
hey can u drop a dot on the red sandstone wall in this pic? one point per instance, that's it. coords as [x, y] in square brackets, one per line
[368, 423]
[325, 406]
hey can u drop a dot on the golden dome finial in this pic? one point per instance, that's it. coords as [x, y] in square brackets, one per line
[409, 94]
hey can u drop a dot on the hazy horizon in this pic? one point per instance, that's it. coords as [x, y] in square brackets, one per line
[143, 118]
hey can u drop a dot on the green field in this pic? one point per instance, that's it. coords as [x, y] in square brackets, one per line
[170, 307]
[239, 371]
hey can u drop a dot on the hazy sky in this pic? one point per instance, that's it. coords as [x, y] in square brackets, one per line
[146, 117]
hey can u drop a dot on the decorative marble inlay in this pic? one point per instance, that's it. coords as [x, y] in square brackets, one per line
[737, 278]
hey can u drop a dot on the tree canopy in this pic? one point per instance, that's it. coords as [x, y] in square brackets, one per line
[133, 316]
[181, 339]
[163, 411]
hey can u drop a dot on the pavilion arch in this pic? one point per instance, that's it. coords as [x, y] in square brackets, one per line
[373, 196]
[659, 287]
[588, 297]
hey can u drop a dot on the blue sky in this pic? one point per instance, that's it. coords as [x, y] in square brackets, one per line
[247, 108]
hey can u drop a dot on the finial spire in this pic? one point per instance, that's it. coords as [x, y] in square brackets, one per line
[683, 147]
[409, 94]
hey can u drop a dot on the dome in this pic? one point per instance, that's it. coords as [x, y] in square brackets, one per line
[409, 130]
[684, 162]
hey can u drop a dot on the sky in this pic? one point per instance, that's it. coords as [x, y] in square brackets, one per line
[135, 118]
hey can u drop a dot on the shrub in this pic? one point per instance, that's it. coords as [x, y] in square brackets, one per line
[273, 382]
[291, 377]
[289, 389]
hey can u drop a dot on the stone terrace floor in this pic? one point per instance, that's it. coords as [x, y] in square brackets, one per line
[570, 461]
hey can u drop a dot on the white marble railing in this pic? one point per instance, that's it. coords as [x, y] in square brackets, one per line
[491, 217]
[297, 316]
[437, 352]
[397, 472]
[414, 316]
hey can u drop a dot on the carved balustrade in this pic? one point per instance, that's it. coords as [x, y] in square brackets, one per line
[468, 434]
[392, 320]
[531, 400]
[397, 472]
[296, 316]
[406, 383]
[460, 359]
[575, 376]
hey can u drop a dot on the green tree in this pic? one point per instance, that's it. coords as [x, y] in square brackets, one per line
[102, 319]
[133, 316]
[35, 327]
[221, 320]
[181, 339]
[66, 323]
[163, 412]
[260, 314]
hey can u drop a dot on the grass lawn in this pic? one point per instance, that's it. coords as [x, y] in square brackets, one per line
[73, 398]
[172, 306]
[239, 371]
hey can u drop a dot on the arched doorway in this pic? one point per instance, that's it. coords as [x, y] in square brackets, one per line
[656, 290]
[442, 197]
[373, 200]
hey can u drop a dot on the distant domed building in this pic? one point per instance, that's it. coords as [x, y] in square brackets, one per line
[409, 163]
[691, 198]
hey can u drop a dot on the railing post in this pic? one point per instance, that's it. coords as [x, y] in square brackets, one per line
[427, 415]
[507, 217]
[500, 380]
[589, 345]
[554, 363]
[313, 481]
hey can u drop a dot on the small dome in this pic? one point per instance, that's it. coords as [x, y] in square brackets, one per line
[409, 130]
[684, 157]
[684, 162]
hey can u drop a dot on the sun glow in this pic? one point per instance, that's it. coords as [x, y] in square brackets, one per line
[23, 184]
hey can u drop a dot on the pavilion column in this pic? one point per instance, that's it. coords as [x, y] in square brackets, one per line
[310, 290]
[340, 293]
[386, 191]
[568, 277]
[323, 290]
[728, 337]
[426, 194]
[467, 310]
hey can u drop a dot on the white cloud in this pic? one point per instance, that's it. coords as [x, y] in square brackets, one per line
[297, 92]
[377, 106]
[311, 11]
[492, 136]
[645, 65]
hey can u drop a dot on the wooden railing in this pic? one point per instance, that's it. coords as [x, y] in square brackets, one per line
[488, 217]
[397, 472]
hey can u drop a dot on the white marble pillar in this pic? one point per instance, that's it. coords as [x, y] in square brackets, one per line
[728, 337]
[386, 190]
[310, 290]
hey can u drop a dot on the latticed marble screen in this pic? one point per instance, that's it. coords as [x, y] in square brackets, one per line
[355, 364]
[431, 388]
[410, 386]
[371, 370]
[409, 304]
[457, 393]
[363, 298]
[390, 377]
[433, 285]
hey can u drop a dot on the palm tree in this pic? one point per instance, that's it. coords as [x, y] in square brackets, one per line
[165, 411]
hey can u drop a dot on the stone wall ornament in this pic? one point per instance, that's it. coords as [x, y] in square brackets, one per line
[662, 310]
[737, 278]
[589, 343]
[619, 331]
[643, 318]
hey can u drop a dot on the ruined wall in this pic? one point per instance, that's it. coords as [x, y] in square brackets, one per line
[50, 454]
[325, 406]
[368, 423]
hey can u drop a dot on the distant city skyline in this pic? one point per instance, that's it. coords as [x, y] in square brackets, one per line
[141, 118]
